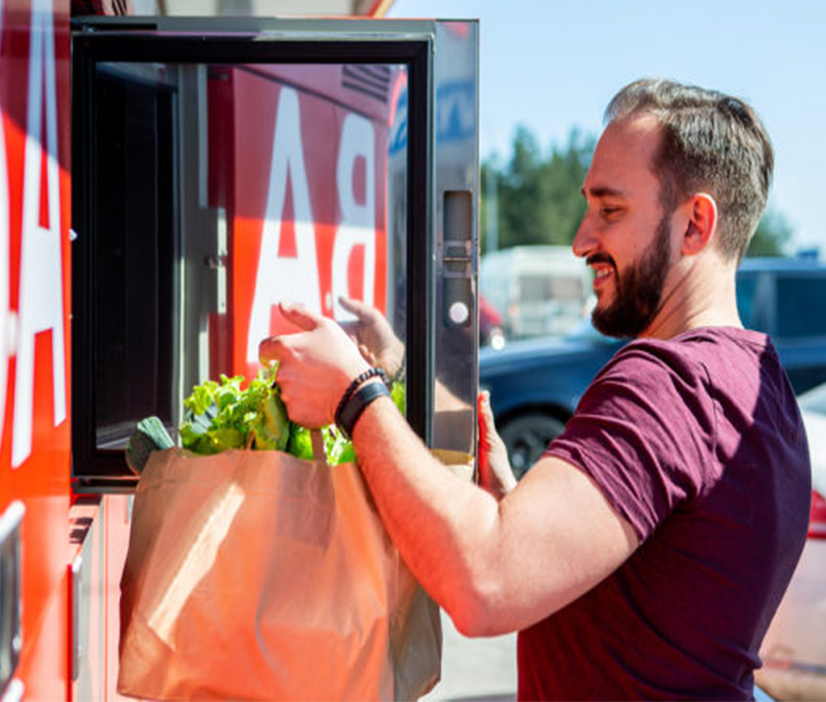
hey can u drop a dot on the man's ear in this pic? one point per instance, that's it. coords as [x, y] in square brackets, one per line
[701, 212]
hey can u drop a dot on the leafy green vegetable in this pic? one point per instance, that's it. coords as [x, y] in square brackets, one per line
[398, 395]
[224, 415]
[338, 448]
[300, 444]
[272, 429]
[221, 416]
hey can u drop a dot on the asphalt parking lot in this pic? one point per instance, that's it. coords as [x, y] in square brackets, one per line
[475, 669]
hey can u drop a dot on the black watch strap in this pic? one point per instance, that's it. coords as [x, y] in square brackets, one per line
[352, 408]
[369, 373]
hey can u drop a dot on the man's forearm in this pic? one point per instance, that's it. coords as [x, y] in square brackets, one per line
[495, 566]
[445, 528]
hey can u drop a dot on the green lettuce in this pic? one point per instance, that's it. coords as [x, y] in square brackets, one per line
[222, 415]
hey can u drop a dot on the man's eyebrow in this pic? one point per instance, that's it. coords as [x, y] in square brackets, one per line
[602, 191]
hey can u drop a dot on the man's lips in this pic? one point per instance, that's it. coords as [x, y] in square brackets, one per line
[603, 268]
[601, 275]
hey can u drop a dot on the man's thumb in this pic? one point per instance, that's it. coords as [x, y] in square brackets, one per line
[354, 306]
[486, 425]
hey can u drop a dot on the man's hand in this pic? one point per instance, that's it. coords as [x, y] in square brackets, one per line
[495, 474]
[374, 336]
[315, 365]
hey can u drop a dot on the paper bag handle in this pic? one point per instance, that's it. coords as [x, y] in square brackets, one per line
[319, 454]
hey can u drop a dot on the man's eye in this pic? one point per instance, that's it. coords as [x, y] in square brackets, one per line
[610, 211]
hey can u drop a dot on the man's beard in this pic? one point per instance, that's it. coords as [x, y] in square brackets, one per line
[638, 290]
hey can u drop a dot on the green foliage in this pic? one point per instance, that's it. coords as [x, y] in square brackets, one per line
[539, 198]
[773, 235]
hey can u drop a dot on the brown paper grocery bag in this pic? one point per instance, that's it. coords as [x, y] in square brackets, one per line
[254, 575]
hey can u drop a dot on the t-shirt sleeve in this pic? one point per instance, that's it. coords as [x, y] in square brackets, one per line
[644, 431]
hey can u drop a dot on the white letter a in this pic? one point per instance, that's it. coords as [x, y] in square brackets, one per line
[41, 270]
[287, 279]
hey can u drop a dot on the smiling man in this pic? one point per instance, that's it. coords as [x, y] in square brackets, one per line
[638, 293]
[645, 553]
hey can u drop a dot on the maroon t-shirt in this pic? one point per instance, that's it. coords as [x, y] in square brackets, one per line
[698, 442]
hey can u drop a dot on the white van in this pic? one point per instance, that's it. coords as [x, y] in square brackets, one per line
[538, 290]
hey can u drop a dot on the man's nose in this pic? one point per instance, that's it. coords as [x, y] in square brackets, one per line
[585, 239]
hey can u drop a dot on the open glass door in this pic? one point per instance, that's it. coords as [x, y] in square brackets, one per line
[221, 166]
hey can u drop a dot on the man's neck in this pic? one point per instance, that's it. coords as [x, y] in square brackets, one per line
[700, 293]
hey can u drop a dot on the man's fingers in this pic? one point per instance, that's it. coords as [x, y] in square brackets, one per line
[367, 354]
[300, 316]
[486, 423]
[483, 460]
[354, 306]
[351, 329]
[272, 348]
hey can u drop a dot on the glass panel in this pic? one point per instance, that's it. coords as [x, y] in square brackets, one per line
[222, 190]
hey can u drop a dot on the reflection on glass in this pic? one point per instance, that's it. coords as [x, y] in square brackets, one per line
[221, 190]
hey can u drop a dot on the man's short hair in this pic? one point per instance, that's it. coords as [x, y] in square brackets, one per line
[711, 142]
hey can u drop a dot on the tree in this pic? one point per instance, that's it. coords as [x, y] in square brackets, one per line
[772, 236]
[539, 200]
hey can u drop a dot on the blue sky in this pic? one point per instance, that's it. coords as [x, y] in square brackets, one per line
[554, 65]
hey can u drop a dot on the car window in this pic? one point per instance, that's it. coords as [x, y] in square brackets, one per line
[801, 306]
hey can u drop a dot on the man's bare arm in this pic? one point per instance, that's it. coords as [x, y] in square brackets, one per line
[495, 566]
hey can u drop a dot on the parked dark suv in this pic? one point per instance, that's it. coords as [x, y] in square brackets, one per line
[535, 384]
